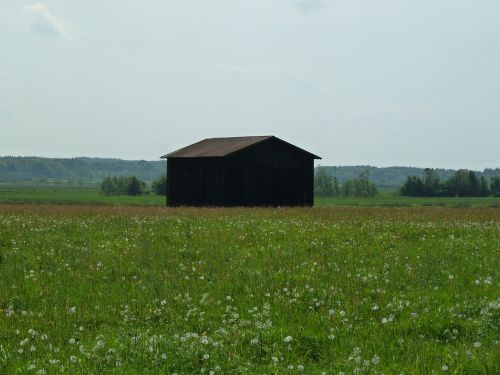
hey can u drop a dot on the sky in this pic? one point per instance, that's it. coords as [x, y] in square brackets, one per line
[358, 82]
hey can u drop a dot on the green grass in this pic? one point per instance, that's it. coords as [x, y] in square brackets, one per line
[90, 196]
[391, 198]
[87, 289]
[73, 195]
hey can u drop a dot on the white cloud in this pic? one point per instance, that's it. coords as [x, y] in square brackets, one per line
[308, 5]
[42, 21]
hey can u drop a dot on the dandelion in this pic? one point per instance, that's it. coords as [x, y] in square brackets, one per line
[206, 356]
[254, 341]
[274, 359]
[384, 320]
[31, 367]
[73, 358]
[72, 310]
[71, 341]
[288, 339]
[20, 350]
[331, 312]
[375, 359]
[33, 348]
[53, 361]
[300, 367]
[444, 367]
[477, 344]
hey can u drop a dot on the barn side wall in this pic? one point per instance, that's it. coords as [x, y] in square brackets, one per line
[270, 173]
[195, 182]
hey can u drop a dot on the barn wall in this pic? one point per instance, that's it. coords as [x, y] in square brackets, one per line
[270, 173]
[195, 182]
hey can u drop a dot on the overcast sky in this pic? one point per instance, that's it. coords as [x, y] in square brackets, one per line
[379, 82]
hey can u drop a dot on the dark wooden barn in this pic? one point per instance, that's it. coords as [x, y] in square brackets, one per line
[240, 171]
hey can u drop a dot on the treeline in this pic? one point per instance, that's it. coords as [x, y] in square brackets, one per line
[83, 170]
[463, 183]
[15, 169]
[327, 186]
[131, 185]
[393, 177]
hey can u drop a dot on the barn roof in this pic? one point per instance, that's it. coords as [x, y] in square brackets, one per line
[220, 147]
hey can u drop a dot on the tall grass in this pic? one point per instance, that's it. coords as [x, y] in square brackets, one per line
[333, 290]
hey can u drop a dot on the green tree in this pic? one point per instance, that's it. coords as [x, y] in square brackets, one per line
[323, 183]
[495, 186]
[432, 185]
[159, 186]
[484, 191]
[135, 186]
[359, 187]
[413, 187]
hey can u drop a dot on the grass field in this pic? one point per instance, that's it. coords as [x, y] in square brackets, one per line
[94, 289]
[91, 196]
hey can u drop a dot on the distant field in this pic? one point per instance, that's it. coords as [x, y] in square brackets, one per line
[90, 195]
[73, 195]
[358, 290]
[391, 198]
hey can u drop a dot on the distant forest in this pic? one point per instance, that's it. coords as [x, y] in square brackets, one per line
[83, 170]
[93, 170]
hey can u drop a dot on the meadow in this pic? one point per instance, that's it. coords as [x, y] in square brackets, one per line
[337, 290]
[89, 195]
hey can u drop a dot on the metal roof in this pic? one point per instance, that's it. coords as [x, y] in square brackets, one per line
[220, 147]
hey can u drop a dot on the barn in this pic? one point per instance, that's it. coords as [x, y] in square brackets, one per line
[240, 171]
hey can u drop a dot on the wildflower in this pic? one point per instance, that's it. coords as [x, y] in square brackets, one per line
[288, 339]
[73, 358]
[254, 341]
[206, 356]
[384, 320]
[300, 367]
[375, 359]
[33, 348]
[444, 367]
[72, 310]
[164, 356]
[331, 311]
[477, 344]
[20, 350]
[71, 341]
[53, 361]
[274, 359]
[31, 367]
